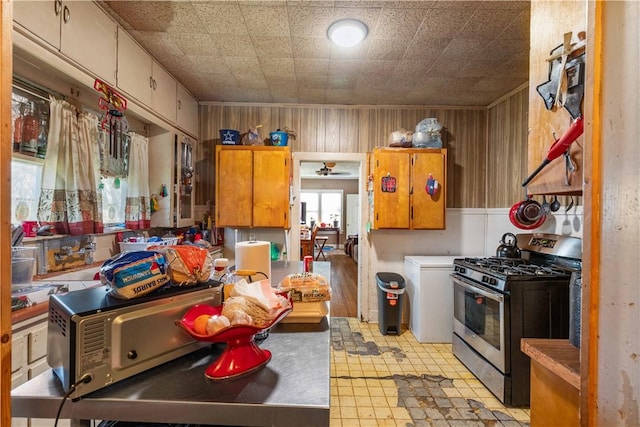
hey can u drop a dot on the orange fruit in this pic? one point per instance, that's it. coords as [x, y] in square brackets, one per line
[200, 324]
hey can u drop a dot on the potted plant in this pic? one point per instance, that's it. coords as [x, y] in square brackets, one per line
[334, 219]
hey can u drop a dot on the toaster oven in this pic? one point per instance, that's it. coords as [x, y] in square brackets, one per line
[95, 339]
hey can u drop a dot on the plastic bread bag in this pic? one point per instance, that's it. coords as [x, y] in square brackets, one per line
[306, 287]
[186, 264]
[134, 274]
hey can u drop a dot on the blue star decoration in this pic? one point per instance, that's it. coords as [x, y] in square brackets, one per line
[228, 136]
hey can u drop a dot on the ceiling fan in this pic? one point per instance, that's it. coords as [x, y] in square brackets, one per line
[327, 169]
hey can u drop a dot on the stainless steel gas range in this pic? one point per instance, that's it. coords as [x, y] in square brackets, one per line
[498, 301]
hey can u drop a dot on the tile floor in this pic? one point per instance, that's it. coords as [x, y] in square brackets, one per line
[388, 380]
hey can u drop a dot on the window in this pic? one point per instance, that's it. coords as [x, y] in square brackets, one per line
[323, 206]
[26, 180]
[114, 199]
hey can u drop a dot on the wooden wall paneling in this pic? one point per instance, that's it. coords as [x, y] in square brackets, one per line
[543, 123]
[210, 119]
[507, 143]
[349, 131]
[366, 130]
[332, 133]
[360, 129]
[308, 131]
[465, 135]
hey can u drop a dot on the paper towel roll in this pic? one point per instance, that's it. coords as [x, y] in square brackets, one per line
[254, 255]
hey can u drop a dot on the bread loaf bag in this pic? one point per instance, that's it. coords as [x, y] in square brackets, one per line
[134, 274]
[186, 264]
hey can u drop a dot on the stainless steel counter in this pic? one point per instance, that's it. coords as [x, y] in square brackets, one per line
[292, 389]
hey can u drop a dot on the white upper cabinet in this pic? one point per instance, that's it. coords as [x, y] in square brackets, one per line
[134, 69]
[164, 96]
[187, 111]
[80, 30]
[141, 77]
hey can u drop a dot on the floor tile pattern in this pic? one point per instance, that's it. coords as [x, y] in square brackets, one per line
[388, 380]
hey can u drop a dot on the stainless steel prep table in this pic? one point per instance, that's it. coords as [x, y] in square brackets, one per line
[293, 388]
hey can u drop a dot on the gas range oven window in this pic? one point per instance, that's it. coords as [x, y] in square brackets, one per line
[480, 314]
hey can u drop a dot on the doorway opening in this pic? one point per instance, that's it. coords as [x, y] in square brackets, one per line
[334, 168]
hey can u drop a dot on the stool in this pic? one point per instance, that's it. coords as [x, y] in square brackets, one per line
[319, 244]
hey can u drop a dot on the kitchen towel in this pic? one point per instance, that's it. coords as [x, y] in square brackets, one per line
[254, 255]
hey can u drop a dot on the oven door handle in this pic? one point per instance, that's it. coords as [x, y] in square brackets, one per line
[484, 292]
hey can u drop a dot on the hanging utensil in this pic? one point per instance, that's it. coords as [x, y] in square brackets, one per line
[555, 204]
[559, 146]
[546, 208]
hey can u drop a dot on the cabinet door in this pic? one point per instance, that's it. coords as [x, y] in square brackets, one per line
[187, 114]
[88, 37]
[271, 188]
[41, 18]
[164, 93]
[134, 69]
[391, 189]
[161, 174]
[428, 211]
[234, 188]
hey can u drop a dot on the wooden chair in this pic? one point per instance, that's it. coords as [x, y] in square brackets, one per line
[318, 244]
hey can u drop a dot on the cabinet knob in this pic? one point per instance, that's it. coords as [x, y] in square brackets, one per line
[57, 7]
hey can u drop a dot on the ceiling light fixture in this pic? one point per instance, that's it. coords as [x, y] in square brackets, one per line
[347, 32]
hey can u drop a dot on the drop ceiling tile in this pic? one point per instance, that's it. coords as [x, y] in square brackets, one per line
[266, 21]
[283, 67]
[387, 49]
[427, 49]
[341, 82]
[184, 19]
[272, 47]
[463, 49]
[310, 47]
[311, 96]
[309, 21]
[196, 44]
[157, 44]
[339, 96]
[209, 65]
[243, 65]
[378, 72]
[221, 17]
[235, 45]
[172, 31]
[399, 23]
[312, 82]
[311, 67]
[488, 23]
[442, 23]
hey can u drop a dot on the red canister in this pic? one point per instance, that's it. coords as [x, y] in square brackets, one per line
[308, 263]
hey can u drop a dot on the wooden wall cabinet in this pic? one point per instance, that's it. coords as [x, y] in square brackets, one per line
[549, 22]
[252, 186]
[400, 199]
[79, 30]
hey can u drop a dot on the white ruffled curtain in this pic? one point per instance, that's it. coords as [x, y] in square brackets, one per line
[138, 206]
[69, 199]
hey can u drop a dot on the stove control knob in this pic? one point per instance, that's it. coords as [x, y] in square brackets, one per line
[493, 281]
[485, 279]
[460, 269]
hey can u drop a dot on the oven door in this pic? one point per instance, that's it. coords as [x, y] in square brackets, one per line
[479, 319]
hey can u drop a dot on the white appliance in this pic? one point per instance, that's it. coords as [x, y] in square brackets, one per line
[429, 290]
